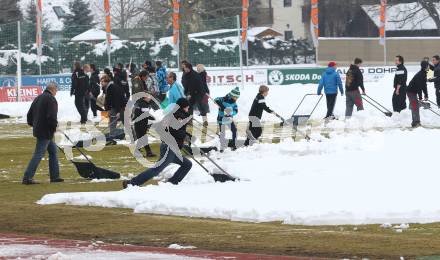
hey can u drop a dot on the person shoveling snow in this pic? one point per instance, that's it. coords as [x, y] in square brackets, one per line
[168, 153]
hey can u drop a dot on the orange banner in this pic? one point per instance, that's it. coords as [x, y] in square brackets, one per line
[314, 23]
[176, 21]
[39, 24]
[108, 28]
[244, 23]
[383, 19]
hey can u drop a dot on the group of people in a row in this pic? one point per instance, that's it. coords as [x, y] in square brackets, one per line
[416, 90]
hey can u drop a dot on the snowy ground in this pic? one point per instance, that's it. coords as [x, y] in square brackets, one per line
[371, 169]
[39, 252]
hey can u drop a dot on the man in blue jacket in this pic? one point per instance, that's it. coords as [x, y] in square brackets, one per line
[331, 82]
[175, 89]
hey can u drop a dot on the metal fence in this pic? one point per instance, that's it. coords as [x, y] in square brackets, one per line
[213, 43]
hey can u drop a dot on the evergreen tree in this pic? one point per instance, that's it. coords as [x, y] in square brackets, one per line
[79, 20]
[9, 11]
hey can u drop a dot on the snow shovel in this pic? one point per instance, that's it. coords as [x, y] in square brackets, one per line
[432, 102]
[427, 105]
[3, 116]
[110, 140]
[88, 169]
[283, 121]
[296, 118]
[303, 118]
[217, 176]
[377, 105]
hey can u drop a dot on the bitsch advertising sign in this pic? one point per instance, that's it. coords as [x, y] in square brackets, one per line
[234, 77]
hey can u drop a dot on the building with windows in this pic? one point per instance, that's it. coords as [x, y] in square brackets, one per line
[286, 16]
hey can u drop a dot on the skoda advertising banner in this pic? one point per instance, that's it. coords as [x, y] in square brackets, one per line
[294, 76]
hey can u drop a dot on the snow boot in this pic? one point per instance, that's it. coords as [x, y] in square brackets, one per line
[415, 124]
[29, 182]
[125, 184]
[56, 180]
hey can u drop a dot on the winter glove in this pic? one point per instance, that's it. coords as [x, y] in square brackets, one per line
[228, 111]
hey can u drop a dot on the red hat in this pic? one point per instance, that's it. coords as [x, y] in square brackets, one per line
[332, 64]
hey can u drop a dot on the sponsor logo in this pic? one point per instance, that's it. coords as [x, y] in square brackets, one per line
[276, 77]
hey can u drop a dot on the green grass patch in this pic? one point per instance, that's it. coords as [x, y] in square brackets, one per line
[20, 214]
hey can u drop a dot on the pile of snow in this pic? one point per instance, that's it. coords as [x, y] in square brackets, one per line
[177, 246]
[350, 178]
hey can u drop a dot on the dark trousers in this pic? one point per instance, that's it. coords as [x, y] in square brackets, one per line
[331, 102]
[353, 98]
[437, 95]
[415, 107]
[223, 141]
[167, 156]
[93, 106]
[253, 133]
[114, 118]
[399, 101]
[41, 147]
[82, 105]
[140, 129]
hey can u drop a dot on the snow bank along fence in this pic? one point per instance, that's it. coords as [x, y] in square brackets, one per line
[344, 50]
[211, 42]
[217, 77]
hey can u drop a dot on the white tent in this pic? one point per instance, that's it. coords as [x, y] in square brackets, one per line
[93, 35]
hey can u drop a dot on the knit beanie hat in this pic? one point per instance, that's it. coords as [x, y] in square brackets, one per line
[235, 92]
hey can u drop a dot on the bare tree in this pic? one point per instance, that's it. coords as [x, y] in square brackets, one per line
[415, 14]
[432, 10]
[125, 13]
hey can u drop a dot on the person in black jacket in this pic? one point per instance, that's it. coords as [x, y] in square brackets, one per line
[204, 76]
[114, 102]
[141, 106]
[95, 89]
[353, 82]
[121, 77]
[169, 151]
[195, 91]
[255, 130]
[399, 93]
[436, 78]
[42, 116]
[81, 89]
[415, 88]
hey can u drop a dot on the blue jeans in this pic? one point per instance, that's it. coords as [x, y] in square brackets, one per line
[185, 167]
[40, 149]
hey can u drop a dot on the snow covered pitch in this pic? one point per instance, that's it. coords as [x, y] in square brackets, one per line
[371, 169]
